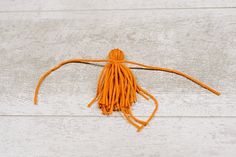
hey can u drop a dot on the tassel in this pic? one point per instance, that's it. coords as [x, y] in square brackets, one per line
[117, 86]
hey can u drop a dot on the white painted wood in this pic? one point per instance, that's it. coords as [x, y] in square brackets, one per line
[70, 5]
[80, 137]
[198, 42]
[194, 36]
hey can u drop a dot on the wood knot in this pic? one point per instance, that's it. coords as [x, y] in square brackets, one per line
[116, 55]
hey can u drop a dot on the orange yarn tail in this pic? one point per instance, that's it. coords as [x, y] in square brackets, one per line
[42, 78]
[178, 73]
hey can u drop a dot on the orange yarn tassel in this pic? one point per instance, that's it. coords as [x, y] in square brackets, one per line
[117, 86]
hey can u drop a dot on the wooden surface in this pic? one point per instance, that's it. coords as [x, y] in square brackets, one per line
[197, 37]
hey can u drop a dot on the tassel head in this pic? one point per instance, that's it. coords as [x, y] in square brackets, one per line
[116, 54]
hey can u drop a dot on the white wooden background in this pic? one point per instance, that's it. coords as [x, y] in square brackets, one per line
[195, 36]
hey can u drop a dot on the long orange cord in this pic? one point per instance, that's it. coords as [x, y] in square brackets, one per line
[117, 86]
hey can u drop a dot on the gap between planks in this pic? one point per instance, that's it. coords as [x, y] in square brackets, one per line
[95, 116]
[130, 9]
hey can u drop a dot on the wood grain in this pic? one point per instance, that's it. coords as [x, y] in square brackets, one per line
[200, 43]
[72, 5]
[80, 137]
[194, 36]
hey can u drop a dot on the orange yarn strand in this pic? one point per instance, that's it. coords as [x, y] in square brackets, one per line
[178, 73]
[42, 78]
[117, 87]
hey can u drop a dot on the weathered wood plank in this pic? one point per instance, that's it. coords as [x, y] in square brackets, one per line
[70, 5]
[200, 43]
[44, 137]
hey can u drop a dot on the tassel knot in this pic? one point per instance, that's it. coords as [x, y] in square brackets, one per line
[116, 55]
